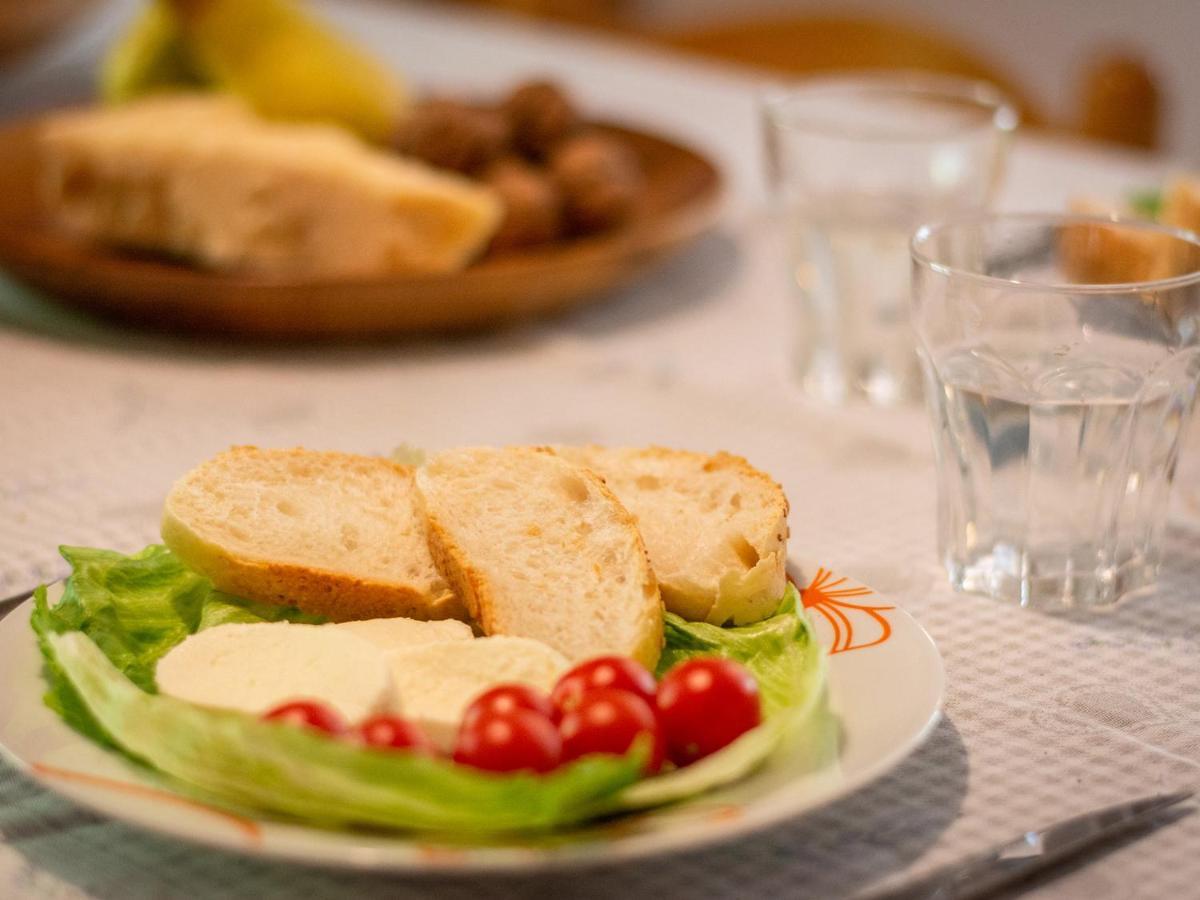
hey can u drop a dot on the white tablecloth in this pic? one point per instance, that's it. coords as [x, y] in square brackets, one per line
[1045, 716]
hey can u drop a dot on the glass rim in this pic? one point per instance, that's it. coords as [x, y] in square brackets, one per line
[1003, 116]
[930, 230]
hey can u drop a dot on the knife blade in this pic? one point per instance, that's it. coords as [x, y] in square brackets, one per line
[1031, 852]
[10, 603]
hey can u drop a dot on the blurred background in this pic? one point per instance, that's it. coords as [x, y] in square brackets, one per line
[1105, 69]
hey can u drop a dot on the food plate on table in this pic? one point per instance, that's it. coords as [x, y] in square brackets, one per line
[490, 657]
[885, 681]
[249, 171]
[679, 203]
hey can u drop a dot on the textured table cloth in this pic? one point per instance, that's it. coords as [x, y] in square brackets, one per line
[1045, 716]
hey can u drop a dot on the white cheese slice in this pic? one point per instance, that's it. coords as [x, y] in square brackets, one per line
[253, 667]
[435, 683]
[398, 633]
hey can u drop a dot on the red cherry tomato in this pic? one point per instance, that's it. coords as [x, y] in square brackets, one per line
[394, 733]
[606, 720]
[509, 742]
[308, 714]
[505, 698]
[603, 672]
[704, 705]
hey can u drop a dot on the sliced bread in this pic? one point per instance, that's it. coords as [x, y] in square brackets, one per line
[538, 547]
[715, 526]
[434, 683]
[1102, 253]
[255, 666]
[334, 534]
[203, 178]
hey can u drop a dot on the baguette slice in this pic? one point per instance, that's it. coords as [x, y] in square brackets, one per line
[538, 547]
[1097, 253]
[715, 526]
[434, 683]
[334, 534]
[255, 666]
[1181, 203]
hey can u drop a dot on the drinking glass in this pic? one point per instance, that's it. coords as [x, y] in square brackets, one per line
[856, 164]
[1061, 358]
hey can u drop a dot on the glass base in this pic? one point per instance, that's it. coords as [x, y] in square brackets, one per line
[1050, 581]
[829, 381]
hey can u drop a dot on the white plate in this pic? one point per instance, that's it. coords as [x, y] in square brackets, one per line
[885, 680]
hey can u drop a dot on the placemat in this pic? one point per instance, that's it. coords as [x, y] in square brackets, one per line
[1045, 716]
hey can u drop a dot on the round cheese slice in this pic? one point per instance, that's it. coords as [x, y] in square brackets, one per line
[254, 667]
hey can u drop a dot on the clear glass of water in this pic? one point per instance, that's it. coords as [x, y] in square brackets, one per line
[1061, 358]
[855, 165]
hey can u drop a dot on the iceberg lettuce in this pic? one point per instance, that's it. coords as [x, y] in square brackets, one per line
[120, 614]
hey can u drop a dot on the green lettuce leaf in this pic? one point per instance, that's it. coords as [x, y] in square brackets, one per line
[781, 652]
[120, 614]
[244, 762]
[61, 695]
[1148, 203]
[135, 608]
[783, 655]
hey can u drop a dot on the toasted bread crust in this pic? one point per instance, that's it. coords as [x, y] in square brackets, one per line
[650, 647]
[467, 583]
[319, 590]
[739, 595]
[480, 599]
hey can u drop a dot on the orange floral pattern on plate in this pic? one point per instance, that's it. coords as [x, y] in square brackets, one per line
[248, 827]
[730, 812]
[441, 854]
[826, 596]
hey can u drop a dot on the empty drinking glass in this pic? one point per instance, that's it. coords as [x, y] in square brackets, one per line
[1061, 356]
[857, 164]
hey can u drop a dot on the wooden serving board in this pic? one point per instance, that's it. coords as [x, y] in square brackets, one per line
[680, 201]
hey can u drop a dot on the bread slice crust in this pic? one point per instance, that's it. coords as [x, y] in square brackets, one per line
[734, 570]
[278, 574]
[492, 606]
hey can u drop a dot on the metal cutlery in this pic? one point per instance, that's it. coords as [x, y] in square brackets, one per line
[1032, 852]
[8, 604]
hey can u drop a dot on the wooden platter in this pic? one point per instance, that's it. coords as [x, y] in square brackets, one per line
[680, 202]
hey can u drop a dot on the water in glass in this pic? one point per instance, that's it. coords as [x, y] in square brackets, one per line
[1055, 471]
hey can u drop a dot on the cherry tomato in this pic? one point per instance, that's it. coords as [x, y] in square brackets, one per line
[704, 705]
[602, 672]
[394, 733]
[308, 714]
[510, 741]
[606, 720]
[505, 698]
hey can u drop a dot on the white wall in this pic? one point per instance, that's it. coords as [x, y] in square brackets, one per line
[1041, 44]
